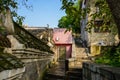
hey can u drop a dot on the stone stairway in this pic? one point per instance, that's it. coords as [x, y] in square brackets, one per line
[75, 64]
[57, 72]
[80, 54]
[74, 74]
[54, 77]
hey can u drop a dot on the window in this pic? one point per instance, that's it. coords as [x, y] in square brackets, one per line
[99, 26]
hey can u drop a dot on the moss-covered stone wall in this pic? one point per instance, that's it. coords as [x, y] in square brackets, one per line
[35, 70]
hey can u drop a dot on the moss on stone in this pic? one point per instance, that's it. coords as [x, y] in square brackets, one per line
[43, 75]
[4, 41]
[8, 61]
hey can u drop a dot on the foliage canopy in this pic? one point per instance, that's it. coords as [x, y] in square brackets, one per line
[102, 13]
[72, 18]
[13, 6]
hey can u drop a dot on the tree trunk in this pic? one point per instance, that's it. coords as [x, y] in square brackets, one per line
[115, 9]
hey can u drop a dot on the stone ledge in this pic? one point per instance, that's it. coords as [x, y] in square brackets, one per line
[30, 53]
[12, 74]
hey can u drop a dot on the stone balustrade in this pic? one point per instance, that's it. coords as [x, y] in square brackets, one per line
[29, 40]
[92, 71]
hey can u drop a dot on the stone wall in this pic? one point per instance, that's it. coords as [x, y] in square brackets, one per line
[34, 69]
[13, 74]
[6, 22]
[103, 39]
[92, 71]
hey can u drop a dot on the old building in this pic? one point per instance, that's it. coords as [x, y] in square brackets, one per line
[95, 38]
[42, 33]
[63, 43]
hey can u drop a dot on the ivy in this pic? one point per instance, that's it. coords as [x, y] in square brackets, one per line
[13, 6]
[109, 55]
[103, 13]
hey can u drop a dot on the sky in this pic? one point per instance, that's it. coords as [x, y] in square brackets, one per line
[43, 12]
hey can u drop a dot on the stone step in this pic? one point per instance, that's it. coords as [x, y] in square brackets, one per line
[81, 53]
[52, 79]
[74, 74]
[56, 72]
[74, 78]
[51, 76]
[80, 56]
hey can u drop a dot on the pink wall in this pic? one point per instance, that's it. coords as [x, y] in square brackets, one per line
[68, 51]
[62, 38]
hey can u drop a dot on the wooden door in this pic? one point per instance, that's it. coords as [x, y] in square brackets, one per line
[62, 53]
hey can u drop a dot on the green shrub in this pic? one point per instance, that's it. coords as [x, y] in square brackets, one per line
[109, 56]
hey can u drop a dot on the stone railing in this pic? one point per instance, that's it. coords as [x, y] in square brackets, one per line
[30, 41]
[92, 71]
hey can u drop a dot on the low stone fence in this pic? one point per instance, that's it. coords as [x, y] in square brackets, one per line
[92, 71]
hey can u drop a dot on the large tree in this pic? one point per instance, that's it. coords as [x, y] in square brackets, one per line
[72, 18]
